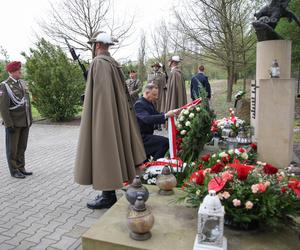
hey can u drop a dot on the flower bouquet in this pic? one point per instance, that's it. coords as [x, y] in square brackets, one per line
[193, 131]
[232, 121]
[252, 194]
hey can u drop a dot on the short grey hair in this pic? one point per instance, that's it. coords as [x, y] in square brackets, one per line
[150, 86]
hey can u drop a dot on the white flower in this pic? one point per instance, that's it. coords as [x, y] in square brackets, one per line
[244, 156]
[198, 192]
[226, 195]
[236, 202]
[191, 115]
[183, 132]
[186, 112]
[214, 156]
[179, 125]
[231, 151]
[188, 124]
[237, 151]
[154, 180]
[181, 118]
[249, 205]
[146, 176]
[149, 181]
[193, 164]
[198, 109]
[223, 154]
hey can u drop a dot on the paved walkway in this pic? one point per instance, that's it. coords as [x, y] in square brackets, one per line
[47, 210]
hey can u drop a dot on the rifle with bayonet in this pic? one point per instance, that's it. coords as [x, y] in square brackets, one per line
[165, 71]
[76, 58]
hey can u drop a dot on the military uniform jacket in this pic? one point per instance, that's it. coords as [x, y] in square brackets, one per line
[134, 88]
[159, 79]
[15, 108]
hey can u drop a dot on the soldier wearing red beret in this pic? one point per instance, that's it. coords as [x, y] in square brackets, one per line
[15, 111]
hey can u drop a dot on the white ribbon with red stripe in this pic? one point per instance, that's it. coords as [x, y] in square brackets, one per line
[172, 131]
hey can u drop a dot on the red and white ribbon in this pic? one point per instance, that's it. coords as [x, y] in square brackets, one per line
[172, 131]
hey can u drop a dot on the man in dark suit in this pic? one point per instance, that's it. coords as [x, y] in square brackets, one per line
[199, 81]
[147, 116]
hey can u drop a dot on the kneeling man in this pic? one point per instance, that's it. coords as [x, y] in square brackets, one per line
[155, 145]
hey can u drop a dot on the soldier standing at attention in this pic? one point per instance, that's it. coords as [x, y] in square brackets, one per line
[158, 78]
[15, 110]
[176, 92]
[134, 86]
[110, 146]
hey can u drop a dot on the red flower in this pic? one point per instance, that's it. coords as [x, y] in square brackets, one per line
[205, 157]
[242, 169]
[197, 177]
[184, 185]
[217, 168]
[283, 189]
[200, 166]
[261, 187]
[269, 169]
[242, 150]
[226, 159]
[216, 184]
[253, 146]
[226, 176]
[295, 185]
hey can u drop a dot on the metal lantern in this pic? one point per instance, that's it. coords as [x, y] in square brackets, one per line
[274, 70]
[227, 131]
[210, 224]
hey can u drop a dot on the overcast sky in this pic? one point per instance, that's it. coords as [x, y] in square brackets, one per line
[19, 21]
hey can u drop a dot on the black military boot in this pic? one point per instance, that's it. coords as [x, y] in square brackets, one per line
[24, 172]
[106, 200]
[17, 174]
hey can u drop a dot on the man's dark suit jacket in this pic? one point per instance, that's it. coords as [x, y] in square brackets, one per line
[147, 116]
[198, 81]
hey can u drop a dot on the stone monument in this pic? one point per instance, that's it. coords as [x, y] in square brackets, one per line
[273, 97]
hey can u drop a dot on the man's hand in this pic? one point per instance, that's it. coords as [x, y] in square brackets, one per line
[11, 130]
[173, 112]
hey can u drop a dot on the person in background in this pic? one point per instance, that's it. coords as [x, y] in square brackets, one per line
[176, 92]
[134, 86]
[199, 81]
[15, 110]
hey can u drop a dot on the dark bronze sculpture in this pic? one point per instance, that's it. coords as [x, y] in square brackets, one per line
[268, 17]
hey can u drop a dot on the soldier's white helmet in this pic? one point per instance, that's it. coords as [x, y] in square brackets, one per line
[102, 37]
[175, 59]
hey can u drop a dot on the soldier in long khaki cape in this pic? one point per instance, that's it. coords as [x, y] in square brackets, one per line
[176, 92]
[110, 144]
[159, 79]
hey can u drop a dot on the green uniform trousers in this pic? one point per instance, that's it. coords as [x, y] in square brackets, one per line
[16, 144]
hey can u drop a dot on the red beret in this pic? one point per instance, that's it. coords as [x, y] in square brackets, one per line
[13, 66]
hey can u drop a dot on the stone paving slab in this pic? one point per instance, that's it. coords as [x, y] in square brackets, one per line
[46, 210]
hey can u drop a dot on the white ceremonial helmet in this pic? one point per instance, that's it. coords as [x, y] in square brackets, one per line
[103, 37]
[175, 59]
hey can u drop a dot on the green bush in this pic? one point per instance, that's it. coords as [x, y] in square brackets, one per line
[3, 73]
[55, 82]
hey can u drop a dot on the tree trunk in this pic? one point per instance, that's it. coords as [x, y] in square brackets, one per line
[230, 81]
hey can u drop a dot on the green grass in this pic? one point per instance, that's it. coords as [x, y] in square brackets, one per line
[35, 114]
[219, 98]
